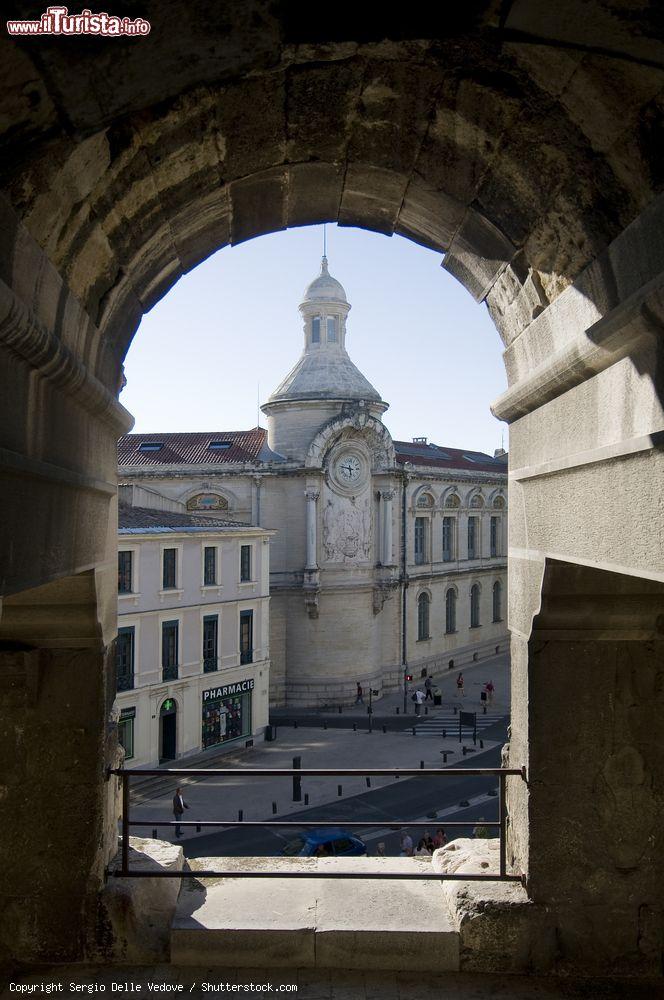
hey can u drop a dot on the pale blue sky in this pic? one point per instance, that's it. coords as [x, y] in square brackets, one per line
[233, 324]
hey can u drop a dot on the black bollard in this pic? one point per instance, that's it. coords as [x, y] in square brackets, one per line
[368, 780]
[339, 790]
[240, 815]
[464, 751]
[421, 765]
[384, 729]
[340, 709]
[444, 753]
[294, 723]
[297, 780]
[414, 733]
[355, 727]
[154, 834]
[306, 798]
[325, 724]
[444, 734]
[274, 808]
[481, 744]
[198, 828]
[455, 709]
[397, 709]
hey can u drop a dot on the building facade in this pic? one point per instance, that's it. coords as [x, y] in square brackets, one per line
[193, 646]
[388, 556]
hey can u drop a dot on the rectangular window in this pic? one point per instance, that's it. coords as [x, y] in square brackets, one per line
[226, 719]
[124, 572]
[210, 643]
[169, 650]
[420, 540]
[246, 637]
[245, 563]
[331, 329]
[448, 539]
[315, 330]
[209, 566]
[495, 536]
[126, 731]
[124, 671]
[473, 551]
[170, 569]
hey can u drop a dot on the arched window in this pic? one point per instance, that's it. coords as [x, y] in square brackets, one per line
[452, 501]
[499, 503]
[450, 610]
[477, 501]
[424, 500]
[423, 617]
[497, 601]
[315, 330]
[475, 606]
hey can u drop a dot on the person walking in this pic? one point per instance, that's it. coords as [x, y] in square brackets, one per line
[359, 700]
[489, 688]
[428, 687]
[459, 684]
[406, 845]
[179, 806]
[418, 698]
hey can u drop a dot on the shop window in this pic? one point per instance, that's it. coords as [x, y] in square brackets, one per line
[245, 563]
[124, 671]
[169, 650]
[125, 567]
[169, 576]
[224, 719]
[209, 566]
[126, 731]
[210, 643]
[246, 637]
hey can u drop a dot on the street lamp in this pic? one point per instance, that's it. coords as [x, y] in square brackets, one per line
[406, 680]
[372, 691]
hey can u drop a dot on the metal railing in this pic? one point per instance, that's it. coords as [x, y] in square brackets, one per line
[502, 773]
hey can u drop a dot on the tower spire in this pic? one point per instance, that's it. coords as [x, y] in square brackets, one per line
[323, 263]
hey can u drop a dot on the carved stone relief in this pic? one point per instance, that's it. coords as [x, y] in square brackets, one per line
[347, 528]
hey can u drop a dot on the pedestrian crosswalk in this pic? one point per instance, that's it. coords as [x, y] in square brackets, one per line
[447, 724]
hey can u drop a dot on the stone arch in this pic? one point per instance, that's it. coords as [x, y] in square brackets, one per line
[374, 433]
[450, 498]
[475, 499]
[482, 145]
[423, 493]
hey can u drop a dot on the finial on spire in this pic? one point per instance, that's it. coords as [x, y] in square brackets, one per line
[323, 263]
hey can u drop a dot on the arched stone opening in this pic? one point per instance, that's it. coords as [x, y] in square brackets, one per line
[512, 146]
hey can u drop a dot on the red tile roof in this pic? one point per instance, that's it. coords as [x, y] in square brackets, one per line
[192, 448]
[440, 457]
[147, 519]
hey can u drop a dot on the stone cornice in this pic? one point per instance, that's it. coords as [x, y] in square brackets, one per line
[23, 335]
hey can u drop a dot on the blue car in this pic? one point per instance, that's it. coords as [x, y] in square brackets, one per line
[327, 843]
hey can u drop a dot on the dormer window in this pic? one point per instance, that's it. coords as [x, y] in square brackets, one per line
[220, 445]
[151, 445]
[331, 329]
[315, 330]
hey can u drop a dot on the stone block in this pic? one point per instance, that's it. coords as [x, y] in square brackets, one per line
[137, 913]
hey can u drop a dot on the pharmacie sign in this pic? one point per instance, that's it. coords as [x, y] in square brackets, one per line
[225, 692]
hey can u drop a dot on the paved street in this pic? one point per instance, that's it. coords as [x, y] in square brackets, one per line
[340, 746]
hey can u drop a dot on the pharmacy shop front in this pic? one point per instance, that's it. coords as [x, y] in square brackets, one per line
[226, 713]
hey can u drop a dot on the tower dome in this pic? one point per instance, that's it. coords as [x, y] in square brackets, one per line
[324, 288]
[324, 380]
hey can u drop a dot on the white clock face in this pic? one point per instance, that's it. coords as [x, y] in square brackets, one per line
[349, 469]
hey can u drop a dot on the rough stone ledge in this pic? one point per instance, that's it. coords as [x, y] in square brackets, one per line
[500, 928]
[136, 914]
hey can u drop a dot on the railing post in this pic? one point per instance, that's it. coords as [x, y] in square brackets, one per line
[125, 824]
[502, 806]
[297, 781]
